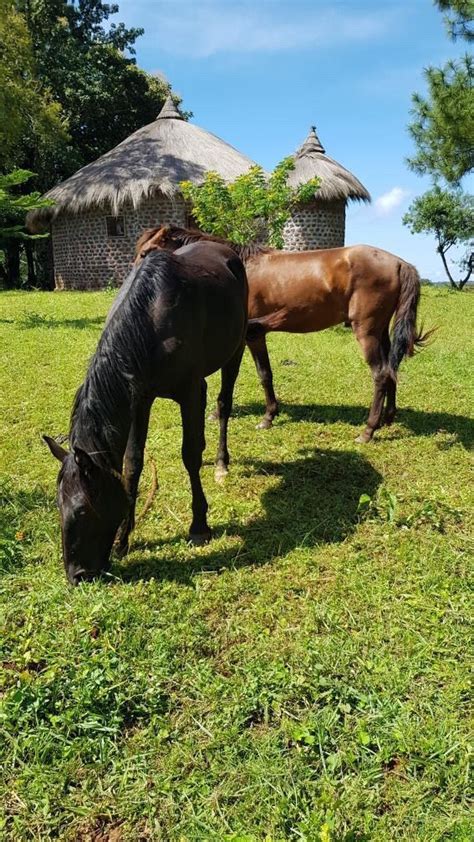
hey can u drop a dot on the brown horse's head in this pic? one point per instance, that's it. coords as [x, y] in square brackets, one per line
[170, 238]
[92, 503]
[167, 237]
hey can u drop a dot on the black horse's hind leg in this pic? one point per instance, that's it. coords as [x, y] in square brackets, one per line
[132, 468]
[224, 408]
[257, 345]
[193, 407]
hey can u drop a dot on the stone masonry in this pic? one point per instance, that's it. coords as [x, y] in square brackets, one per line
[85, 257]
[316, 225]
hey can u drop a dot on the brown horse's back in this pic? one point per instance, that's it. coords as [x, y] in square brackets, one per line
[308, 291]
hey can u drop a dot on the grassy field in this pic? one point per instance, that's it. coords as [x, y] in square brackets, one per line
[303, 677]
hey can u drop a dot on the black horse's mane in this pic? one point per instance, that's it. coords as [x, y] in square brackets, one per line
[193, 235]
[121, 363]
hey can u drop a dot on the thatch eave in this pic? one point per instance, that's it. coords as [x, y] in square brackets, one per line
[337, 183]
[155, 159]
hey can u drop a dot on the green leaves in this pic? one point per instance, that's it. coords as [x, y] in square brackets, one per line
[443, 124]
[442, 129]
[14, 207]
[449, 215]
[253, 207]
[30, 118]
[460, 18]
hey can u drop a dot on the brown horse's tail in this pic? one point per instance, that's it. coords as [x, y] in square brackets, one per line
[406, 336]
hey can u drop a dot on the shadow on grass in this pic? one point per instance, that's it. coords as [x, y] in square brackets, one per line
[315, 502]
[418, 422]
[31, 320]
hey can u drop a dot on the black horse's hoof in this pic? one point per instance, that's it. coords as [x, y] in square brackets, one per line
[265, 424]
[121, 549]
[200, 539]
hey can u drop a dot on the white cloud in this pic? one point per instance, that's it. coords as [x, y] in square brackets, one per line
[206, 28]
[390, 200]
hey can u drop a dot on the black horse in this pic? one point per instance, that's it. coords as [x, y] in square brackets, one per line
[178, 318]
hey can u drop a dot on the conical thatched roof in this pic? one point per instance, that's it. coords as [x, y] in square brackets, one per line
[156, 157]
[336, 182]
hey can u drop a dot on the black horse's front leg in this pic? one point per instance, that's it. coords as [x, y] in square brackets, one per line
[193, 407]
[132, 468]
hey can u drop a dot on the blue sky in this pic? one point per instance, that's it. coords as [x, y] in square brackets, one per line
[259, 73]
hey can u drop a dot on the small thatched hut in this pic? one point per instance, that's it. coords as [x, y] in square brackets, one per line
[101, 210]
[321, 223]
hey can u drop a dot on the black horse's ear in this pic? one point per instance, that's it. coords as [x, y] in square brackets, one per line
[55, 448]
[83, 460]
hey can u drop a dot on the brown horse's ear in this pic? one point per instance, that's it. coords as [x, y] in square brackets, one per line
[83, 460]
[55, 448]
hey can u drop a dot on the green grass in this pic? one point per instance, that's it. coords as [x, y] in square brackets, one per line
[303, 677]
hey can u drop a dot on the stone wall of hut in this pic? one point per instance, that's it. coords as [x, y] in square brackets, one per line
[88, 256]
[316, 225]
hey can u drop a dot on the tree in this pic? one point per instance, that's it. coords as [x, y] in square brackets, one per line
[251, 206]
[91, 96]
[29, 116]
[13, 208]
[460, 18]
[450, 217]
[89, 67]
[443, 125]
[32, 131]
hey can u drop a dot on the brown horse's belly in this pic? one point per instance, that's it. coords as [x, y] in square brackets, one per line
[296, 316]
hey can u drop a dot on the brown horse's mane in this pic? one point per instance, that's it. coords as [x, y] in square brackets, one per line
[185, 236]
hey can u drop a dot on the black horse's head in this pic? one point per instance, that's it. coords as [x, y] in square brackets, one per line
[93, 503]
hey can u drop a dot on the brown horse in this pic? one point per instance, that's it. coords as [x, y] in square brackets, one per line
[300, 292]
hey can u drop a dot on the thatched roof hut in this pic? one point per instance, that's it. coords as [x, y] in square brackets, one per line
[101, 210]
[336, 182]
[321, 223]
[155, 158]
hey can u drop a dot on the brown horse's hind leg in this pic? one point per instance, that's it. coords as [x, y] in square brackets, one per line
[258, 349]
[224, 408]
[391, 394]
[372, 347]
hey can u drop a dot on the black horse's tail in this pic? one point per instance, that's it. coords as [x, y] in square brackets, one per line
[406, 336]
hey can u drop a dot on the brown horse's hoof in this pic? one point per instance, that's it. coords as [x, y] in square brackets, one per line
[213, 416]
[199, 539]
[364, 437]
[220, 473]
[265, 424]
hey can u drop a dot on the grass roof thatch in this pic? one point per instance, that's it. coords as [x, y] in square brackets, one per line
[156, 157]
[336, 182]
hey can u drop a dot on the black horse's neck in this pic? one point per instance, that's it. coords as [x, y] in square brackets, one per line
[120, 372]
[101, 414]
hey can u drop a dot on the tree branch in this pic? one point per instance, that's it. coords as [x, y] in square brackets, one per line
[451, 279]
